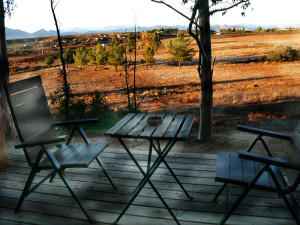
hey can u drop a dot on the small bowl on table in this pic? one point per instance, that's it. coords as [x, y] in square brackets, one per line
[154, 120]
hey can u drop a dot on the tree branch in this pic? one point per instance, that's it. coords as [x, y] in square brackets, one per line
[229, 7]
[196, 6]
[171, 7]
[192, 22]
[56, 4]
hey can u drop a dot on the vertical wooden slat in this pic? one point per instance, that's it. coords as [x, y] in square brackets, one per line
[161, 129]
[186, 127]
[130, 125]
[173, 129]
[120, 124]
[24, 84]
[235, 171]
[27, 96]
[150, 129]
[223, 166]
[248, 170]
[140, 127]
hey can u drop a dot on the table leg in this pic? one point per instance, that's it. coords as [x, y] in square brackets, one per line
[151, 144]
[147, 176]
[158, 151]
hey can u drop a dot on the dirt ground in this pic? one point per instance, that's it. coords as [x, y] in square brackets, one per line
[260, 94]
[225, 137]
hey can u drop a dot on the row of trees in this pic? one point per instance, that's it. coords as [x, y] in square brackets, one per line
[243, 30]
[165, 31]
[233, 31]
[115, 55]
[99, 55]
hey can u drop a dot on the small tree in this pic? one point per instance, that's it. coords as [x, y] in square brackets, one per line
[180, 50]
[98, 104]
[148, 56]
[156, 42]
[130, 42]
[99, 55]
[68, 57]
[49, 60]
[146, 39]
[81, 57]
[259, 29]
[116, 53]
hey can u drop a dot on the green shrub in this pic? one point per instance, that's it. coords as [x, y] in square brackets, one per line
[165, 91]
[49, 60]
[98, 104]
[77, 107]
[283, 53]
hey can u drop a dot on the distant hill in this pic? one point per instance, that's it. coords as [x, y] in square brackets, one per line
[14, 33]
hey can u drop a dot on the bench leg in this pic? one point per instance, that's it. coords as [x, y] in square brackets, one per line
[282, 193]
[228, 198]
[71, 188]
[242, 196]
[60, 171]
[219, 192]
[106, 173]
[26, 189]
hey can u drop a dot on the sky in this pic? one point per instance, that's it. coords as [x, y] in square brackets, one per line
[33, 15]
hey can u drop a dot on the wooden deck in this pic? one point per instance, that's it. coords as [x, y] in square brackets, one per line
[52, 204]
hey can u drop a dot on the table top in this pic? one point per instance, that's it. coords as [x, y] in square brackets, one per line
[135, 126]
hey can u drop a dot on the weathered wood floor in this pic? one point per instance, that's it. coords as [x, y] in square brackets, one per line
[51, 203]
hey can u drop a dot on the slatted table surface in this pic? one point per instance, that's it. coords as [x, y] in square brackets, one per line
[135, 126]
[52, 203]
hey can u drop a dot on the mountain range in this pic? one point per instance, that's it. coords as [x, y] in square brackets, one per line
[15, 33]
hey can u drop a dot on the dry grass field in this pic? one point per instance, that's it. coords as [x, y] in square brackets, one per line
[165, 86]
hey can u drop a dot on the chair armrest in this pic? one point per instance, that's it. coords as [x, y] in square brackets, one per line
[263, 132]
[76, 122]
[269, 160]
[41, 142]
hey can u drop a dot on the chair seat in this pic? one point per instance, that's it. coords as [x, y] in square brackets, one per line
[79, 155]
[234, 170]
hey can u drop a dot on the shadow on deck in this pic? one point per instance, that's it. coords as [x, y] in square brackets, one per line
[51, 203]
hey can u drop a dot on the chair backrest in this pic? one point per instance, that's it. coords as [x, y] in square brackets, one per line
[30, 112]
[293, 154]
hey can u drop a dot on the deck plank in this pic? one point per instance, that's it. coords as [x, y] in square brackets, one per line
[51, 203]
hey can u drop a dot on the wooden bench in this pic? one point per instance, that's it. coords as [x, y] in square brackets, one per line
[262, 172]
[36, 131]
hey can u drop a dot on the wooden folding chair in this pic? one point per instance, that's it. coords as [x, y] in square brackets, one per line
[262, 172]
[36, 131]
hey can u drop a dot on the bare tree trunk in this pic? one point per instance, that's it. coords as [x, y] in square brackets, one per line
[134, 71]
[205, 129]
[63, 72]
[126, 67]
[6, 124]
